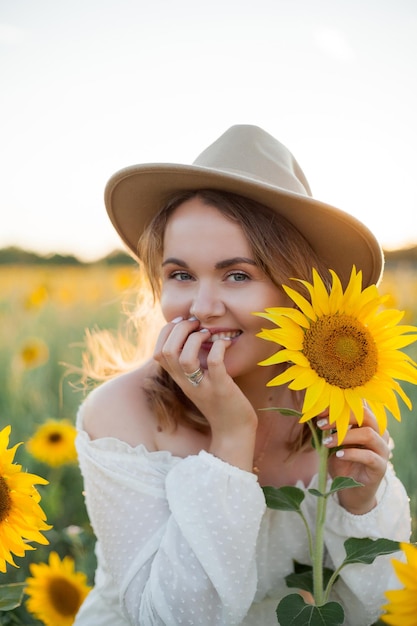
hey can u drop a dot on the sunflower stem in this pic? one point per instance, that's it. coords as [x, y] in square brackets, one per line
[318, 547]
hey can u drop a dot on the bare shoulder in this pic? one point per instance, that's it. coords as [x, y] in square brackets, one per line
[118, 408]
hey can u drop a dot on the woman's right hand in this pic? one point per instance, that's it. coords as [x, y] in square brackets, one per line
[232, 418]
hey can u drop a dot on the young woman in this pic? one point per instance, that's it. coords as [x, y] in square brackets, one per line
[174, 453]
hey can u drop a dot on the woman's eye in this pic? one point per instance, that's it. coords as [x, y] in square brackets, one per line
[180, 275]
[238, 277]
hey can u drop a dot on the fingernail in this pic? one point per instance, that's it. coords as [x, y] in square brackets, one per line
[204, 330]
[322, 422]
[192, 318]
[176, 320]
[340, 453]
[327, 440]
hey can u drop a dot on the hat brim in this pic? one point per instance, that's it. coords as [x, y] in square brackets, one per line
[135, 194]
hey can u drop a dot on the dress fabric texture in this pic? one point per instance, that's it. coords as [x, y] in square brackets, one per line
[191, 542]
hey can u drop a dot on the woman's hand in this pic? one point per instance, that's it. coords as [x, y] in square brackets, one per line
[232, 419]
[363, 456]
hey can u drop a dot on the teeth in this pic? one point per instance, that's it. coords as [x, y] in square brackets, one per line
[216, 336]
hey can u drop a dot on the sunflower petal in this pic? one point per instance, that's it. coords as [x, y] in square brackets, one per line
[301, 302]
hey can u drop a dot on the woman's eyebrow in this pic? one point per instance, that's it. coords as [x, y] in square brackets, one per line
[173, 261]
[237, 260]
[219, 266]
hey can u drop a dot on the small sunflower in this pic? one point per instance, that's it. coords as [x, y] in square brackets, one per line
[402, 607]
[54, 443]
[344, 348]
[21, 517]
[33, 353]
[124, 278]
[56, 591]
[37, 298]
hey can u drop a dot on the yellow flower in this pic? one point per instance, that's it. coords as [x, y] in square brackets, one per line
[21, 517]
[56, 591]
[37, 298]
[54, 443]
[33, 353]
[343, 349]
[402, 607]
[124, 278]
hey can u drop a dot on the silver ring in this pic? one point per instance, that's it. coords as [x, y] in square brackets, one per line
[196, 377]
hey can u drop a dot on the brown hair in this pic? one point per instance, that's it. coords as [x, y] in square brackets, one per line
[278, 247]
[279, 250]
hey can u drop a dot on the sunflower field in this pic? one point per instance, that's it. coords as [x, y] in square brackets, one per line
[44, 313]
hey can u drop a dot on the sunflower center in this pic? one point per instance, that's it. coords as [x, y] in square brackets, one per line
[54, 437]
[65, 598]
[5, 499]
[341, 350]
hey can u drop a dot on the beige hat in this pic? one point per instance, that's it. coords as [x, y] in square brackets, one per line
[247, 161]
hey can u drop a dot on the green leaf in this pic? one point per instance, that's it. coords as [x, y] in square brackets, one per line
[289, 412]
[285, 498]
[317, 493]
[366, 550]
[339, 483]
[11, 596]
[302, 577]
[293, 611]
[343, 482]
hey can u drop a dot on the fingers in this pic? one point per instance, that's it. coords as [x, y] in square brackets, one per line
[178, 347]
[171, 341]
[364, 437]
[358, 442]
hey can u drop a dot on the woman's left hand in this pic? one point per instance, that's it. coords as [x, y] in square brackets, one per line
[364, 457]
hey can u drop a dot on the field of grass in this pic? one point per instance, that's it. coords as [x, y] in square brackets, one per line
[44, 311]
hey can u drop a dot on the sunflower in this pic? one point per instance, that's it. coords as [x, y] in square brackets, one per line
[343, 348]
[402, 607]
[37, 298]
[21, 517]
[33, 353]
[56, 591]
[54, 443]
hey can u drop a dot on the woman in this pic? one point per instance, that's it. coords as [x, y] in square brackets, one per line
[175, 452]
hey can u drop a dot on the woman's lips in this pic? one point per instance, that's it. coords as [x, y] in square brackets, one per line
[220, 334]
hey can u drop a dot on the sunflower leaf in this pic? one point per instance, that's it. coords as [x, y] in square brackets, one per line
[294, 611]
[317, 493]
[302, 577]
[11, 596]
[343, 482]
[285, 498]
[366, 550]
[339, 483]
[289, 412]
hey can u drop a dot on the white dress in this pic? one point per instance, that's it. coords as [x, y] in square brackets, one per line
[191, 542]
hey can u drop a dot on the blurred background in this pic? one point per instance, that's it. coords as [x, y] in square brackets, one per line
[91, 86]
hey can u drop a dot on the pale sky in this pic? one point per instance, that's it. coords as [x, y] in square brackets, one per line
[90, 86]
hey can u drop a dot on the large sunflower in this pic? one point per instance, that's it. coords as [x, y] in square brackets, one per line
[56, 591]
[54, 443]
[402, 607]
[344, 348]
[21, 517]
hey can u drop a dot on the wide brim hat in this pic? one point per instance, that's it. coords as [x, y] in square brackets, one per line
[247, 161]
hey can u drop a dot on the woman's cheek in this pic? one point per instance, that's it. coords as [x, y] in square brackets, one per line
[173, 304]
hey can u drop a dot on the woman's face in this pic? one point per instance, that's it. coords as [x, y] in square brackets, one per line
[208, 270]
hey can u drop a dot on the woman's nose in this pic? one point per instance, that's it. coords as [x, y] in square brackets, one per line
[207, 304]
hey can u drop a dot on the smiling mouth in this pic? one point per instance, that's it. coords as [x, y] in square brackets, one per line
[224, 335]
